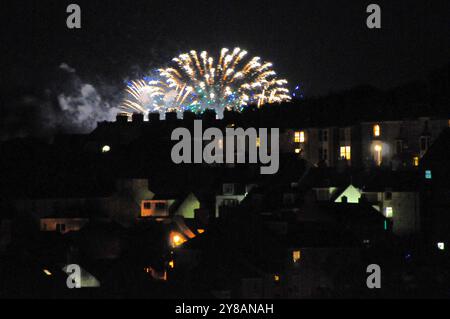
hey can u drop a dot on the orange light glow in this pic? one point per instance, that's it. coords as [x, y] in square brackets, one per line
[296, 256]
[176, 239]
[200, 231]
[376, 130]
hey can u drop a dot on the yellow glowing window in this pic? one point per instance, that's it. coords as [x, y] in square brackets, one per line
[258, 142]
[296, 256]
[276, 278]
[345, 152]
[389, 212]
[299, 137]
[200, 231]
[172, 264]
[378, 154]
[416, 161]
[376, 130]
[176, 239]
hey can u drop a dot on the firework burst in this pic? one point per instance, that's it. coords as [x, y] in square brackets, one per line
[197, 82]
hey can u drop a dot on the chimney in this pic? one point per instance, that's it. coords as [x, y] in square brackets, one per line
[153, 117]
[171, 116]
[137, 118]
[188, 116]
[229, 116]
[121, 118]
[209, 116]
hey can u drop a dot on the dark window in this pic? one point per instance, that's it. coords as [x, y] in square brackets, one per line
[341, 134]
[160, 206]
[60, 228]
[388, 196]
[228, 189]
[325, 154]
[320, 135]
[399, 147]
[147, 205]
[230, 202]
[320, 153]
[423, 143]
[325, 136]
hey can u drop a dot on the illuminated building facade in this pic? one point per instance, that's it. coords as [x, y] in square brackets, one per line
[391, 144]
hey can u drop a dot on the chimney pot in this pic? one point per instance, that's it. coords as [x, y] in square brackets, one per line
[137, 117]
[153, 117]
[121, 118]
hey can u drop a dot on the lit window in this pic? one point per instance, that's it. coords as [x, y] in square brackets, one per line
[378, 154]
[276, 278]
[258, 142]
[345, 152]
[106, 148]
[376, 130]
[441, 246]
[416, 161]
[176, 239]
[298, 150]
[172, 264]
[299, 137]
[428, 174]
[389, 212]
[296, 255]
[200, 231]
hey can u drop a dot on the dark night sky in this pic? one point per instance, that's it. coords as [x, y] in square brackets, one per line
[323, 44]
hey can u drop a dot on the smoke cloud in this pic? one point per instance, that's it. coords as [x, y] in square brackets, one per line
[70, 105]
